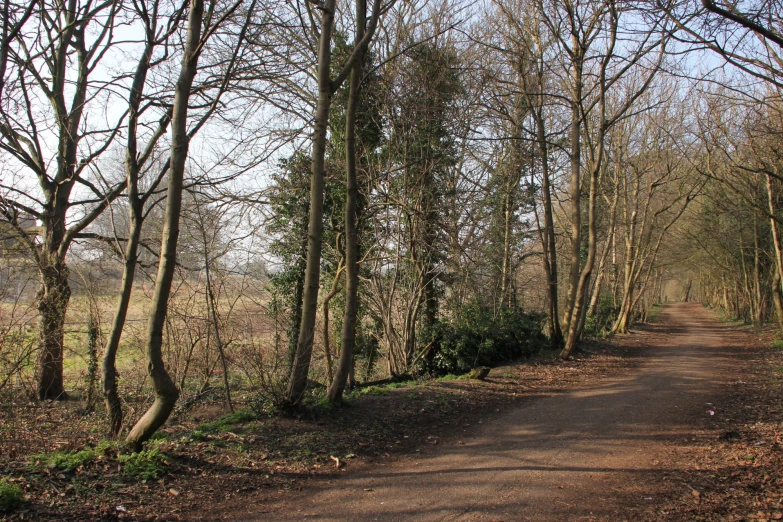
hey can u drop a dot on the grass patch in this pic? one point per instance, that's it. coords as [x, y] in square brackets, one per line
[71, 460]
[380, 389]
[145, 465]
[395, 385]
[452, 377]
[778, 343]
[64, 460]
[11, 495]
[223, 424]
[447, 377]
[654, 312]
[372, 390]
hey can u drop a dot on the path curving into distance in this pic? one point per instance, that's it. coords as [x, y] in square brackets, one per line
[588, 454]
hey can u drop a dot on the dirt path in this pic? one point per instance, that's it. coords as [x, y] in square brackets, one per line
[589, 454]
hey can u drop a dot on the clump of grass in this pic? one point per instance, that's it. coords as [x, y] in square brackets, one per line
[145, 465]
[373, 390]
[64, 460]
[325, 404]
[11, 495]
[447, 377]
[223, 424]
[778, 343]
[71, 460]
[368, 390]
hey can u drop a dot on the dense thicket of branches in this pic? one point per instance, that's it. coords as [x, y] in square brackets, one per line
[468, 184]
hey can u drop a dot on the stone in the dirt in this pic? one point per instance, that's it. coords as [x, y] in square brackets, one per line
[480, 373]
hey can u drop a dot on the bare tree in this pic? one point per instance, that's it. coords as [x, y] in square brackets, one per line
[59, 61]
[166, 392]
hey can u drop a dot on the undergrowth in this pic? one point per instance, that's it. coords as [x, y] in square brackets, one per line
[11, 495]
[144, 465]
[479, 335]
[223, 424]
[71, 460]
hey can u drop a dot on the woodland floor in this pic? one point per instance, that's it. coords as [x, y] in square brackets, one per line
[679, 420]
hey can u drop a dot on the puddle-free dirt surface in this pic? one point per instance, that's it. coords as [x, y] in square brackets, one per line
[589, 454]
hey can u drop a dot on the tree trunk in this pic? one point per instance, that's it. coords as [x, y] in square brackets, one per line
[345, 365]
[213, 315]
[505, 271]
[52, 305]
[133, 165]
[304, 346]
[604, 255]
[108, 368]
[686, 294]
[584, 278]
[325, 328]
[166, 392]
[550, 248]
[548, 235]
[758, 309]
[576, 213]
[777, 294]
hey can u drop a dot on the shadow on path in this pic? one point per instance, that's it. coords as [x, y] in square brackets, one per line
[573, 456]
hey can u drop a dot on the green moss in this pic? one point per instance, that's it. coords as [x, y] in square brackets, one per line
[144, 465]
[11, 495]
[778, 343]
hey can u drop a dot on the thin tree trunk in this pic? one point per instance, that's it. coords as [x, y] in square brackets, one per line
[325, 328]
[548, 238]
[758, 311]
[777, 294]
[304, 346]
[348, 344]
[166, 392]
[604, 256]
[576, 210]
[108, 368]
[583, 309]
[135, 218]
[584, 278]
[505, 272]
[213, 314]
